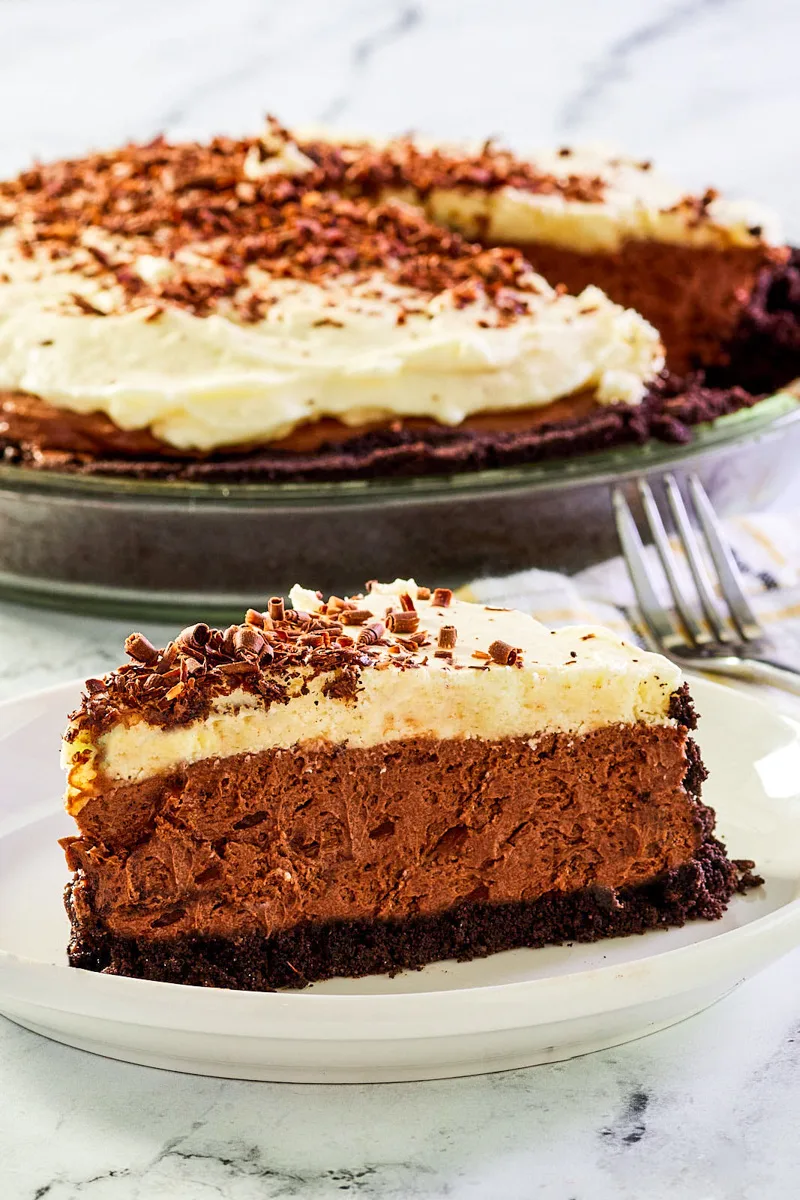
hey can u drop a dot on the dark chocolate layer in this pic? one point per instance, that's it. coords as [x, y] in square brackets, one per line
[255, 961]
[693, 295]
[324, 833]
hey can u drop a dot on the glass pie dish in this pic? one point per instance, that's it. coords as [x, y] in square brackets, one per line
[183, 551]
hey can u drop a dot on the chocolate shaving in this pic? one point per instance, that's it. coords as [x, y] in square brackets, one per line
[193, 206]
[140, 648]
[344, 685]
[403, 622]
[248, 640]
[500, 652]
[207, 663]
[241, 667]
[448, 636]
[441, 597]
[273, 656]
[373, 633]
[354, 616]
[194, 635]
[86, 306]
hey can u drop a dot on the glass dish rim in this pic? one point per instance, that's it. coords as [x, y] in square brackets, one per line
[767, 416]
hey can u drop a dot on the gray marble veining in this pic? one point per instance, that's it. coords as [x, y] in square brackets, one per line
[709, 88]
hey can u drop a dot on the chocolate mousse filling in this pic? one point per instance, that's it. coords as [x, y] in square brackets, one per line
[694, 295]
[288, 866]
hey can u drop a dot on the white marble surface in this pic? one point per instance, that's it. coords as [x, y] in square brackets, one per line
[706, 1111]
[710, 88]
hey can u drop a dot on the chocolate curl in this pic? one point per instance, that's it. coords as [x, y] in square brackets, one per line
[139, 648]
[372, 633]
[403, 622]
[448, 636]
[248, 640]
[503, 654]
[194, 635]
[354, 616]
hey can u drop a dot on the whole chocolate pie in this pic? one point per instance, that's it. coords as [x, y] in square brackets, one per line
[297, 307]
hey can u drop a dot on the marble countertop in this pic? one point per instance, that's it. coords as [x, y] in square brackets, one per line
[709, 89]
[705, 1111]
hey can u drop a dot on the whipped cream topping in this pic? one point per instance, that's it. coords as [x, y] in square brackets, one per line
[570, 680]
[357, 349]
[638, 203]
[589, 199]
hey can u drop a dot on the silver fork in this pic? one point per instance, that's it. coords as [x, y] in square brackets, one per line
[702, 632]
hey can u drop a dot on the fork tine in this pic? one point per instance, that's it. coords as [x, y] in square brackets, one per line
[696, 631]
[729, 577]
[652, 611]
[694, 558]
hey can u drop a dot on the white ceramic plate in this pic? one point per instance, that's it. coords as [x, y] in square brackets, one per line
[510, 1010]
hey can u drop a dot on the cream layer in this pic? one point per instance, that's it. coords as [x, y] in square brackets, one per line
[638, 201]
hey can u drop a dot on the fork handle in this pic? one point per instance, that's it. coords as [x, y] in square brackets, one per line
[754, 670]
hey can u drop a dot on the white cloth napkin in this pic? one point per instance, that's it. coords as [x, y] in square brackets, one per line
[766, 547]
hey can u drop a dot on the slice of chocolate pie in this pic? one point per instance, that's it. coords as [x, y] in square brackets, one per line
[375, 783]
